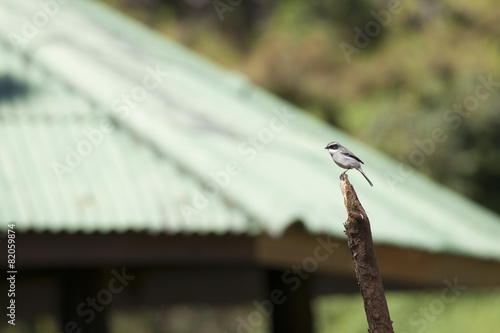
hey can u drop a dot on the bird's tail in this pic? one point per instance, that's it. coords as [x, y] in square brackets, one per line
[361, 170]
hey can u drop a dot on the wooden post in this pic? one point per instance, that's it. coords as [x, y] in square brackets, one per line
[294, 314]
[78, 285]
[359, 239]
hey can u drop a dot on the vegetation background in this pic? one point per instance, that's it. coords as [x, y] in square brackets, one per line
[401, 83]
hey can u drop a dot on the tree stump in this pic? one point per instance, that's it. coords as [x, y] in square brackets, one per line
[359, 238]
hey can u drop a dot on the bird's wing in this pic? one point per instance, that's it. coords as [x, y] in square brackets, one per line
[349, 153]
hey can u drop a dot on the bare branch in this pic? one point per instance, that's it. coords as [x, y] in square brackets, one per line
[359, 237]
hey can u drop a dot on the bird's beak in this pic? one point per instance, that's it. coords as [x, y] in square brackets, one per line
[326, 147]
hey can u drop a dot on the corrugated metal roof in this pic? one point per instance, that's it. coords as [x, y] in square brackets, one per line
[196, 122]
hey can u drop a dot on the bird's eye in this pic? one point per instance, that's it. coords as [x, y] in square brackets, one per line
[335, 146]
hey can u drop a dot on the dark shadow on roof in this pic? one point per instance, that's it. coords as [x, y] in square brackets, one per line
[11, 88]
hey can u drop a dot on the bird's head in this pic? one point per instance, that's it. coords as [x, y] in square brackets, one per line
[332, 146]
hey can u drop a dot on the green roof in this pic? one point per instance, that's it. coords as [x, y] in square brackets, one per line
[144, 174]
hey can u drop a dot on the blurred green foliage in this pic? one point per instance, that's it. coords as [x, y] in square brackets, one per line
[472, 311]
[424, 57]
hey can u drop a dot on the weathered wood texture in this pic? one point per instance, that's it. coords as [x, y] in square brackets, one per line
[359, 238]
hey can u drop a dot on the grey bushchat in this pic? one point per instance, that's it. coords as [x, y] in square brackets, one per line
[344, 158]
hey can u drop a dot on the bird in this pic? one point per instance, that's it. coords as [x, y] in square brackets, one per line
[344, 158]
